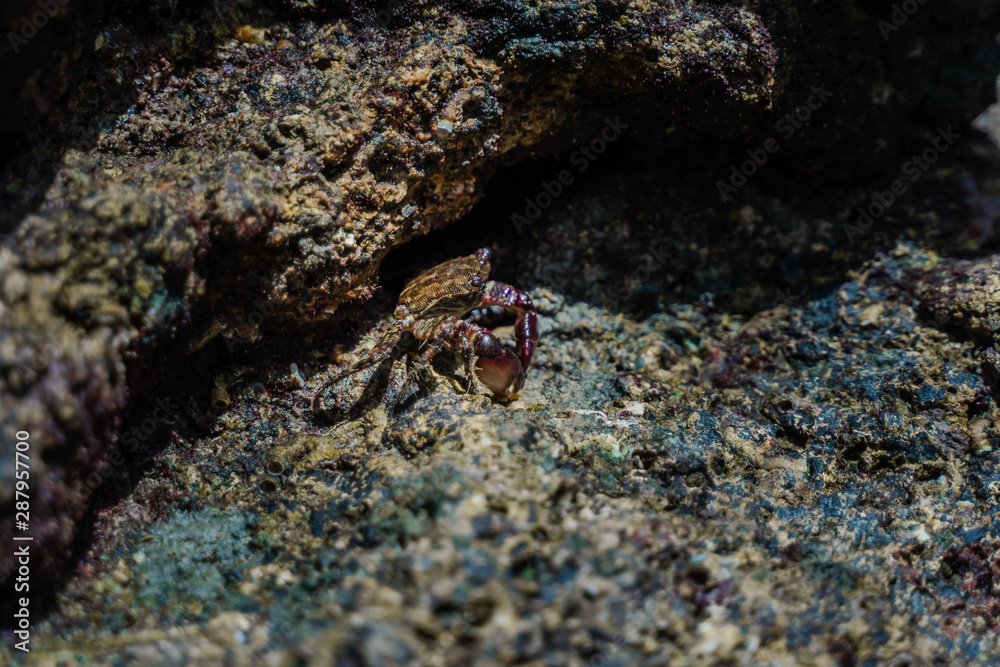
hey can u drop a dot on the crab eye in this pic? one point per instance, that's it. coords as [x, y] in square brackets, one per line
[476, 282]
[401, 312]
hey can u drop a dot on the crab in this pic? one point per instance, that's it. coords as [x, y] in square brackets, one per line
[432, 306]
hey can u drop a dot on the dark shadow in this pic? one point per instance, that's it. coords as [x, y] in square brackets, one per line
[778, 240]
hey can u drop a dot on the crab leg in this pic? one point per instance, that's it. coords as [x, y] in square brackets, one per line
[383, 347]
[496, 367]
[526, 326]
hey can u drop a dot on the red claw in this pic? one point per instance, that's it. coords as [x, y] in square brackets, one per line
[526, 334]
[502, 375]
[526, 326]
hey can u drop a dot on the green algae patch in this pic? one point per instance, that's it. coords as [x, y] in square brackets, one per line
[190, 564]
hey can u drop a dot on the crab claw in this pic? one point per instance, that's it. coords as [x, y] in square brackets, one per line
[502, 375]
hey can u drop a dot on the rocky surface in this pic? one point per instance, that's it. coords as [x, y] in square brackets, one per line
[281, 173]
[759, 430]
